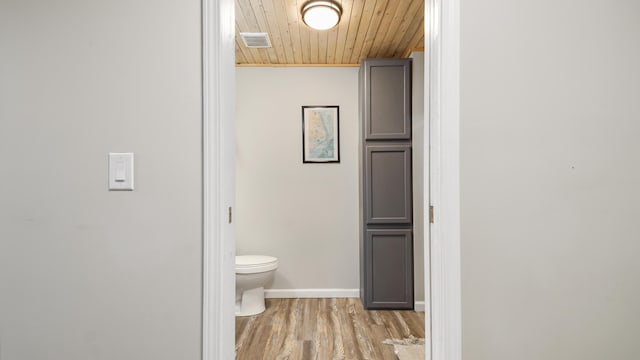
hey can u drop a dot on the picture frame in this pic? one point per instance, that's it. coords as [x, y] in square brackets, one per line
[321, 134]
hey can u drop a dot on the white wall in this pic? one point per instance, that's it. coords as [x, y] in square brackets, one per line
[304, 214]
[86, 273]
[549, 177]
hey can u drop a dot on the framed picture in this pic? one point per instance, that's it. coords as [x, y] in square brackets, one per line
[320, 134]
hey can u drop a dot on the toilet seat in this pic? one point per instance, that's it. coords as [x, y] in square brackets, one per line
[250, 264]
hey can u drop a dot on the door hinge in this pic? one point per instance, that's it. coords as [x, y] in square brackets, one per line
[230, 215]
[431, 214]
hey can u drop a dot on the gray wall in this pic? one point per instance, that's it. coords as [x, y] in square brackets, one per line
[549, 178]
[304, 214]
[86, 273]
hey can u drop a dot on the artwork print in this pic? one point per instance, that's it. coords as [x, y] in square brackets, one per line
[320, 134]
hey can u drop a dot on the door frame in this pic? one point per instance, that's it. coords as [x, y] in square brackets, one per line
[442, 256]
[218, 179]
[442, 103]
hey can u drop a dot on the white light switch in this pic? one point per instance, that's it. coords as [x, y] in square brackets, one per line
[120, 171]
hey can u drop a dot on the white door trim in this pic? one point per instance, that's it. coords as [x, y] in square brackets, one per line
[442, 256]
[443, 97]
[218, 119]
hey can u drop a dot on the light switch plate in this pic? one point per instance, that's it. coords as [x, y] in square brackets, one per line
[121, 171]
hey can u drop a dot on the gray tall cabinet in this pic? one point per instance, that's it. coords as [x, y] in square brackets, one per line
[386, 223]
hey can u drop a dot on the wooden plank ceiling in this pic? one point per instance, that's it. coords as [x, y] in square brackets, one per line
[367, 29]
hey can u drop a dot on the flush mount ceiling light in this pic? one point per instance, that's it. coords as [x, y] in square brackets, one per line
[321, 15]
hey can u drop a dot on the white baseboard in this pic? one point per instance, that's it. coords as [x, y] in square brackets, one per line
[322, 293]
[311, 293]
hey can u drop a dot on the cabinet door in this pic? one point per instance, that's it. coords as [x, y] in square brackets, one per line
[387, 101]
[388, 184]
[389, 269]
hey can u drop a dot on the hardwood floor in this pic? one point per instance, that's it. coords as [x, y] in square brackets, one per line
[319, 329]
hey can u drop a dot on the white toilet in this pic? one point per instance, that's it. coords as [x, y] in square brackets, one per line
[252, 273]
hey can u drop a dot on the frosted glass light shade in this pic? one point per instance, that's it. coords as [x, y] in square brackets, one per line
[321, 15]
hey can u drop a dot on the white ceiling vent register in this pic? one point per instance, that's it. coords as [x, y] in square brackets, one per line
[255, 40]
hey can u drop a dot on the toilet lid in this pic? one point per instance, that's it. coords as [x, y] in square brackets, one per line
[247, 264]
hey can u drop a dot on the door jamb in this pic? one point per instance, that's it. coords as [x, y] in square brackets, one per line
[218, 146]
[442, 98]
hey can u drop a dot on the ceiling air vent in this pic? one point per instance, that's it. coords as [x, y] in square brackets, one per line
[255, 40]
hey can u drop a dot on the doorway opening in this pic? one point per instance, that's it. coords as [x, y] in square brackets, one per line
[442, 295]
[309, 217]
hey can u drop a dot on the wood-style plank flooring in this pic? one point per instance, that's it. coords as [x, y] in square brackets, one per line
[320, 329]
